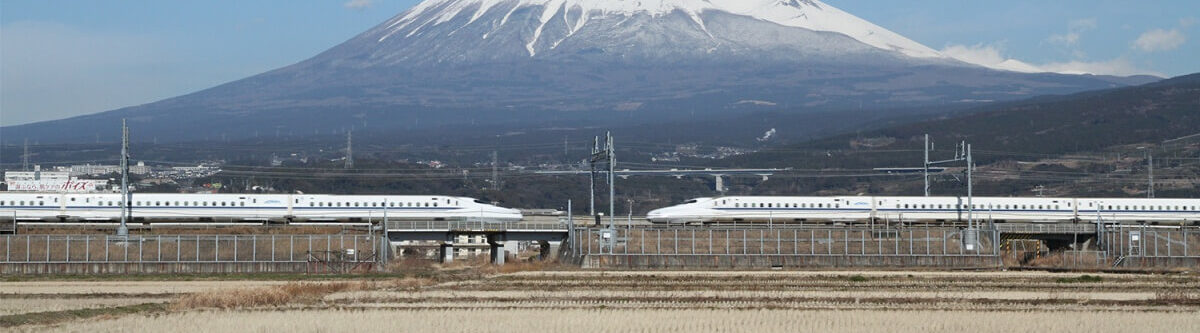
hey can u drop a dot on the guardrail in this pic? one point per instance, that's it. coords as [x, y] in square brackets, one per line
[1030, 228]
[473, 226]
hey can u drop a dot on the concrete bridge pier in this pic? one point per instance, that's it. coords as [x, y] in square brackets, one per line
[549, 249]
[447, 249]
[498, 249]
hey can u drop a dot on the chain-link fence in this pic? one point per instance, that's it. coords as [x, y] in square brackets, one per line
[844, 246]
[186, 248]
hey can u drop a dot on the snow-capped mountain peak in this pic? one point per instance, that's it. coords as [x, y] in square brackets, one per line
[807, 14]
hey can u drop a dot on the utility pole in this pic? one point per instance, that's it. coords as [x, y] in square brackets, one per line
[1149, 155]
[926, 164]
[592, 178]
[612, 179]
[349, 149]
[495, 171]
[970, 189]
[25, 157]
[607, 155]
[126, 210]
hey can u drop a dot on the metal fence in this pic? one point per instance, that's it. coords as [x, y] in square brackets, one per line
[1152, 246]
[472, 225]
[749, 246]
[186, 248]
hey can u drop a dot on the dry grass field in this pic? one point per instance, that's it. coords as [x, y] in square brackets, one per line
[655, 320]
[476, 299]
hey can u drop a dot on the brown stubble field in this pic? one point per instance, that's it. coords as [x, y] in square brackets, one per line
[489, 300]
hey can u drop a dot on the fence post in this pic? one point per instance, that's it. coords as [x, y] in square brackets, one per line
[217, 247]
[795, 242]
[87, 246]
[178, 247]
[235, 249]
[745, 247]
[927, 240]
[675, 238]
[68, 248]
[272, 247]
[812, 247]
[829, 244]
[693, 242]
[158, 240]
[845, 242]
[254, 248]
[47, 248]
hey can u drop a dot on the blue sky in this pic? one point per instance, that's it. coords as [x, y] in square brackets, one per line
[61, 58]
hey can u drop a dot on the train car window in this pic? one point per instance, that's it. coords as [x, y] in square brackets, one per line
[426, 204]
[41, 203]
[243, 204]
[435, 204]
[22, 202]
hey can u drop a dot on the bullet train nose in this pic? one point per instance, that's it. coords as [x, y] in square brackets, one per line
[658, 216]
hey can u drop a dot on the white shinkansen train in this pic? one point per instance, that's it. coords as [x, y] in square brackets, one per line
[163, 207]
[850, 209]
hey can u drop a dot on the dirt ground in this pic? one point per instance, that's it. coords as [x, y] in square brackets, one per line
[487, 300]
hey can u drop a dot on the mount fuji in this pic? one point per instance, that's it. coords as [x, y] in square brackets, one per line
[488, 64]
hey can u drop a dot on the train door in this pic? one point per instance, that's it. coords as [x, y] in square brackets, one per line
[291, 204]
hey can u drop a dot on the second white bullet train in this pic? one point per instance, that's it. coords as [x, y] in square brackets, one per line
[927, 209]
[282, 208]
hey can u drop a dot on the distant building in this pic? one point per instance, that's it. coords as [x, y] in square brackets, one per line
[104, 169]
[50, 181]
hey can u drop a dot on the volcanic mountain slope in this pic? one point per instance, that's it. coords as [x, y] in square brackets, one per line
[480, 64]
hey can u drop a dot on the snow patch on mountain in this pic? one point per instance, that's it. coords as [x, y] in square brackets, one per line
[807, 14]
